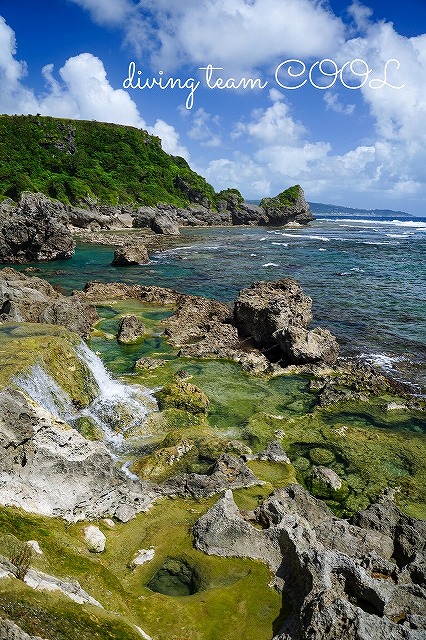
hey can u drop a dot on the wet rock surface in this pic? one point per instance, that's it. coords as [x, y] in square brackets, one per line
[343, 579]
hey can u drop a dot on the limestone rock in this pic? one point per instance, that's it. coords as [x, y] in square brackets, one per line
[50, 469]
[34, 230]
[130, 329]
[273, 452]
[342, 579]
[227, 472]
[10, 631]
[94, 539]
[31, 299]
[276, 315]
[130, 254]
[325, 483]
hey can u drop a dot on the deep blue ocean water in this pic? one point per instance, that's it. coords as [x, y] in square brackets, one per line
[366, 276]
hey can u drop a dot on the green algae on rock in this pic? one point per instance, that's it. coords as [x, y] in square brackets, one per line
[53, 348]
[182, 395]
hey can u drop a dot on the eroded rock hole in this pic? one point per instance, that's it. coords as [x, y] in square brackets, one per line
[176, 578]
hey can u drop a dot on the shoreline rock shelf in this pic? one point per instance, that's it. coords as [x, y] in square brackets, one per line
[363, 577]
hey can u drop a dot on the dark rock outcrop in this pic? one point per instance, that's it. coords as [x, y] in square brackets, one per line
[277, 315]
[31, 299]
[288, 206]
[34, 230]
[130, 329]
[130, 254]
[344, 580]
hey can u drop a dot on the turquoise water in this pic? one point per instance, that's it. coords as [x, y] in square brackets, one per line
[366, 277]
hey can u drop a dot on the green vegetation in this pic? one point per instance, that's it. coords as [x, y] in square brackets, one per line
[286, 198]
[73, 160]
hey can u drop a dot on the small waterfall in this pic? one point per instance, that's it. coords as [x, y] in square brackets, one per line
[117, 408]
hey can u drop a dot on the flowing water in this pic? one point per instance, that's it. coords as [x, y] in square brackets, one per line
[117, 407]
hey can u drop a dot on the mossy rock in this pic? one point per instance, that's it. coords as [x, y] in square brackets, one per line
[88, 428]
[320, 456]
[182, 395]
[53, 348]
[325, 484]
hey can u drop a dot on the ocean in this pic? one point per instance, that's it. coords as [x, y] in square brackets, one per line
[366, 276]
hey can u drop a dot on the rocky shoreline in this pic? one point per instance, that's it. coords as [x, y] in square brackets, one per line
[37, 228]
[358, 578]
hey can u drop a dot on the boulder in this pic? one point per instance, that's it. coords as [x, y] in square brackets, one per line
[34, 230]
[94, 539]
[130, 254]
[325, 483]
[166, 224]
[130, 329]
[276, 315]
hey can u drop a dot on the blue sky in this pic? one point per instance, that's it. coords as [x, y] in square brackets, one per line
[363, 146]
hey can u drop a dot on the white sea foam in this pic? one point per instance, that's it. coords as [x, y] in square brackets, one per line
[419, 226]
[381, 243]
[382, 360]
[270, 264]
[303, 235]
[281, 244]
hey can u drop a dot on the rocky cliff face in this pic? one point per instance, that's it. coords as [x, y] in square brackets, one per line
[288, 206]
[33, 230]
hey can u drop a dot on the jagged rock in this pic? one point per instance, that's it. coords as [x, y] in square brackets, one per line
[31, 299]
[303, 346]
[34, 230]
[94, 539]
[227, 472]
[142, 556]
[130, 254]
[130, 329]
[49, 468]
[288, 206]
[276, 315]
[341, 579]
[273, 452]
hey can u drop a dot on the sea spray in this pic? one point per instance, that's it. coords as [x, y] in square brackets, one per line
[117, 407]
